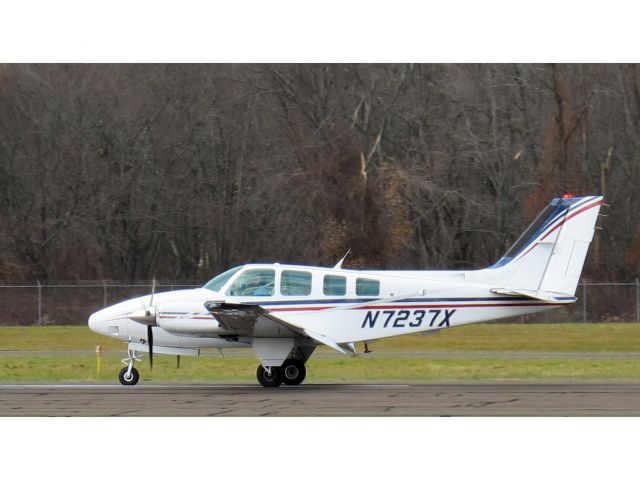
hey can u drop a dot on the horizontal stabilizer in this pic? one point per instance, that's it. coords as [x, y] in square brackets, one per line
[536, 295]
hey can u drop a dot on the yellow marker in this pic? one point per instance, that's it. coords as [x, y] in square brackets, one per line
[98, 359]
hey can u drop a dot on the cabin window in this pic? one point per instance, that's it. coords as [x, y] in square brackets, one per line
[294, 282]
[367, 287]
[253, 283]
[334, 285]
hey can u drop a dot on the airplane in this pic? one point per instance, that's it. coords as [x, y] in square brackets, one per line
[283, 312]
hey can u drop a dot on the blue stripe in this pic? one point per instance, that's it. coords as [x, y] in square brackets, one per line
[407, 300]
[305, 302]
[562, 210]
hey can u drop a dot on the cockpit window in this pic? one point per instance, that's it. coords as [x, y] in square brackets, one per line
[253, 283]
[216, 283]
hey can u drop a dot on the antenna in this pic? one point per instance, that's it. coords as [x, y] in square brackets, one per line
[338, 265]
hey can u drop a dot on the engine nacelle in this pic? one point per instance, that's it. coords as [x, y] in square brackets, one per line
[188, 318]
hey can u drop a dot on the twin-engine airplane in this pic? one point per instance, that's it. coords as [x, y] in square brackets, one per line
[284, 311]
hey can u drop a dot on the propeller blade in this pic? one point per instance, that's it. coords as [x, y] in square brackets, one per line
[150, 343]
[153, 291]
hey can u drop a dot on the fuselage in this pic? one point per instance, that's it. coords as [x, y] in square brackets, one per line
[347, 305]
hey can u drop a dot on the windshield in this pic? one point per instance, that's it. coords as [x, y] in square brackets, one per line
[218, 282]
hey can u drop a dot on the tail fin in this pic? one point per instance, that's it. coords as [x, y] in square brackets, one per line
[549, 256]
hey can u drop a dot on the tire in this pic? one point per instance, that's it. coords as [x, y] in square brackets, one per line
[293, 372]
[269, 381]
[124, 380]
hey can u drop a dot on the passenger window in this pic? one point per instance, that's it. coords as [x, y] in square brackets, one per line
[334, 285]
[253, 283]
[367, 287]
[295, 283]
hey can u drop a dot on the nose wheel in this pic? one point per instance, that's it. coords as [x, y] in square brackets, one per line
[129, 375]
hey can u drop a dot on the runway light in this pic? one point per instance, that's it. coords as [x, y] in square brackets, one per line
[567, 195]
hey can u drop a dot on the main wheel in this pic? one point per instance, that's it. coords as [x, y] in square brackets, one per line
[269, 380]
[127, 378]
[293, 371]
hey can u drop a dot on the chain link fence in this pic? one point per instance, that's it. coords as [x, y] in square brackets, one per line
[67, 304]
[72, 304]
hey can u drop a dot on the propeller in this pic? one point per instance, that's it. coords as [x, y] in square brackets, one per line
[147, 316]
[150, 343]
[150, 325]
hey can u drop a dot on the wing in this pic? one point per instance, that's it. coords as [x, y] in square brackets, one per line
[241, 319]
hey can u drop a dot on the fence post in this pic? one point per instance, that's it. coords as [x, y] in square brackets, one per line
[637, 300]
[584, 303]
[39, 303]
[104, 293]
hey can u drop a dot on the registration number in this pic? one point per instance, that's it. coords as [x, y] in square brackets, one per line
[408, 318]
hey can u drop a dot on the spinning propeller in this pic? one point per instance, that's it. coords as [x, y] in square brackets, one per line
[147, 316]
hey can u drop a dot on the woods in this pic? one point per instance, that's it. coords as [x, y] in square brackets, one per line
[124, 172]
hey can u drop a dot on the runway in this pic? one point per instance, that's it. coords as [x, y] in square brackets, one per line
[437, 399]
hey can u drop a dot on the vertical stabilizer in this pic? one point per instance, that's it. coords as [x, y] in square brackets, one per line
[550, 254]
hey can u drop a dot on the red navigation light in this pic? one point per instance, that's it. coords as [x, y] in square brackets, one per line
[567, 195]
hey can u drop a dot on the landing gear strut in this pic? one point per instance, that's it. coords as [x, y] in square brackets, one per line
[129, 375]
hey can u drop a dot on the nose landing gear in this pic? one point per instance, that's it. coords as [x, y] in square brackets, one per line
[129, 375]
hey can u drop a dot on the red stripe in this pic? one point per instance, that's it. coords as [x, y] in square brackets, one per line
[405, 307]
[398, 307]
[573, 215]
[456, 306]
[297, 309]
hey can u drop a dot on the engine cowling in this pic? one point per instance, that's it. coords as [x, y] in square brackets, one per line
[188, 318]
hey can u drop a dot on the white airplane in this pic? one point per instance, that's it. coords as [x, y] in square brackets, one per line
[284, 311]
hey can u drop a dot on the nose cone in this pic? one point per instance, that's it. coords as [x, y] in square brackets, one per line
[111, 321]
[97, 323]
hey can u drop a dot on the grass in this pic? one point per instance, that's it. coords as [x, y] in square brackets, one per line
[360, 369]
[26, 357]
[564, 337]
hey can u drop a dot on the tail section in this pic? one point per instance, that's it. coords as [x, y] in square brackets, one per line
[548, 257]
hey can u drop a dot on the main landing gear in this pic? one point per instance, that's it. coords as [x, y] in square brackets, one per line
[129, 375]
[292, 372]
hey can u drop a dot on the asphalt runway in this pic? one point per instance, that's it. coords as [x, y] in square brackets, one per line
[438, 399]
